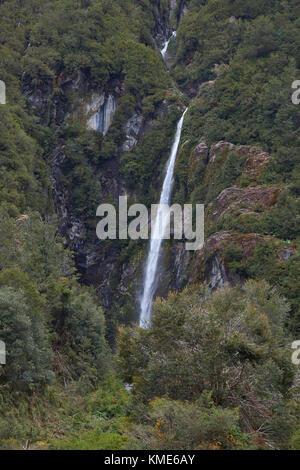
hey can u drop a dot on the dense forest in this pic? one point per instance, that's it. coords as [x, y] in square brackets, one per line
[215, 369]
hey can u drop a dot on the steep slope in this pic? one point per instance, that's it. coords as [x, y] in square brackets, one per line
[240, 154]
[91, 113]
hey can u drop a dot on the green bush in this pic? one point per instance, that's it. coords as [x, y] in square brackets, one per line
[174, 425]
[231, 344]
[28, 353]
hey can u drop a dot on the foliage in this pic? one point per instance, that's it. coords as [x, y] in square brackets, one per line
[231, 344]
[173, 425]
[28, 355]
[295, 440]
[78, 327]
[268, 262]
[249, 103]
[214, 370]
[43, 308]
[145, 163]
[105, 408]
[65, 418]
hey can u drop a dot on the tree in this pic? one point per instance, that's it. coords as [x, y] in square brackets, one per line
[231, 344]
[78, 328]
[175, 425]
[28, 363]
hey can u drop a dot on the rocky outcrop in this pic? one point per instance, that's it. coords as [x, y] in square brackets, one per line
[132, 129]
[209, 170]
[208, 263]
[256, 159]
[286, 253]
[201, 152]
[71, 227]
[182, 9]
[251, 200]
[219, 147]
[256, 162]
[100, 111]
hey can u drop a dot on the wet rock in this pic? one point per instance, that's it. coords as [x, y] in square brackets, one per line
[182, 259]
[218, 276]
[59, 194]
[127, 276]
[100, 111]
[286, 253]
[132, 130]
[77, 234]
[208, 263]
[183, 10]
[173, 5]
[219, 147]
[200, 152]
[39, 99]
[256, 162]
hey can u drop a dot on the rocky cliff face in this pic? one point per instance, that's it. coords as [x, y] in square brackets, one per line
[100, 110]
[252, 200]
[245, 198]
[118, 281]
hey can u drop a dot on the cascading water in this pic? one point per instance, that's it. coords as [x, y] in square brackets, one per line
[158, 232]
[166, 45]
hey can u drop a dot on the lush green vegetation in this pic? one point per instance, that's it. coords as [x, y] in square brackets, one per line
[68, 417]
[250, 102]
[53, 330]
[214, 371]
[48, 321]
[227, 354]
[45, 45]
[248, 50]
[53, 327]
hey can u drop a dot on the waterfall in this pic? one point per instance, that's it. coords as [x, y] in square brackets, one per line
[158, 232]
[2, 93]
[166, 45]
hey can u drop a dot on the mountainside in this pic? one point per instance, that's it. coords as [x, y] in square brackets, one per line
[90, 115]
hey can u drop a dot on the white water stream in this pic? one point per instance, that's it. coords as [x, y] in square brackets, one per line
[158, 233]
[166, 45]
